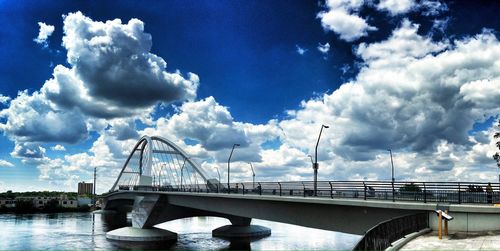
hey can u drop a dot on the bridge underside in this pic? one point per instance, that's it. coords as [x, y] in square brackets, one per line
[150, 209]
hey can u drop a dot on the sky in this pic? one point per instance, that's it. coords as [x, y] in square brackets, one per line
[82, 81]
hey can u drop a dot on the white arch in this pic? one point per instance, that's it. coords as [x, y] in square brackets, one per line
[146, 168]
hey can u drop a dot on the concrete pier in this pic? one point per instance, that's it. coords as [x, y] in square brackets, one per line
[232, 231]
[141, 234]
[240, 228]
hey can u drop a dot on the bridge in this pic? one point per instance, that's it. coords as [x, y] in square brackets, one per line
[159, 182]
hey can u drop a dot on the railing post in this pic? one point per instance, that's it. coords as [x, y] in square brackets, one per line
[260, 188]
[304, 186]
[393, 192]
[364, 185]
[331, 189]
[425, 194]
[243, 185]
[459, 194]
[279, 184]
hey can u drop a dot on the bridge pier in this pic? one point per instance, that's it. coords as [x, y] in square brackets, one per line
[141, 234]
[241, 228]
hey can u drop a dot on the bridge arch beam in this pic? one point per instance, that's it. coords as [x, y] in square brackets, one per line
[157, 161]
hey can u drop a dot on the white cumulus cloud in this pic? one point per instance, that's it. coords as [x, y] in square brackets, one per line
[58, 148]
[341, 17]
[414, 95]
[44, 33]
[4, 99]
[324, 48]
[396, 7]
[5, 163]
[112, 79]
[300, 50]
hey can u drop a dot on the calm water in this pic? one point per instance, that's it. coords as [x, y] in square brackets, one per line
[87, 231]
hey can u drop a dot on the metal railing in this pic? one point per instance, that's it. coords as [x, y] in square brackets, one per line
[450, 192]
[385, 233]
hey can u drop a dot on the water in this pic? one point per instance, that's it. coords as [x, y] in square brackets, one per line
[65, 231]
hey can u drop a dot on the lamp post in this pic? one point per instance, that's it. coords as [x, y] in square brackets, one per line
[392, 168]
[312, 162]
[315, 165]
[253, 175]
[229, 168]
[94, 188]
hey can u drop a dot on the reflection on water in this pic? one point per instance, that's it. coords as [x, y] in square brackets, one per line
[87, 231]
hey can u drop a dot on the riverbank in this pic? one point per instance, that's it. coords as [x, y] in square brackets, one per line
[16, 210]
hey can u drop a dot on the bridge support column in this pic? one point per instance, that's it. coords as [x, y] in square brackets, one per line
[141, 234]
[144, 214]
[240, 228]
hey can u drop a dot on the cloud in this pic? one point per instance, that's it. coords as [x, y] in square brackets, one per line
[300, 50]
[44, 33]
[324, 48]
[4, 99]
[114, 63]
[4, 163]
[412, 94]
[32, 118]
[432, 8]
[396, 7]
[440, 24]
[341, 17]
[58, 148]
[123, 129]
[28, 150]
[205, 121]
[112, 75]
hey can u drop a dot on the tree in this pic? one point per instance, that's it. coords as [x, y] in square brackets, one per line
[496, 156]
[412, 187]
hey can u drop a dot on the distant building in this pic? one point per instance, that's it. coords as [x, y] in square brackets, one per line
[7, 202]
[40, 202]
[85, 188]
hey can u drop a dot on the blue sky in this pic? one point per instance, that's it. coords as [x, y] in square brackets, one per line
[419, 77]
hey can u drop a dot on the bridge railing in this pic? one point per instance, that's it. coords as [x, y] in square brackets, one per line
[381, 236]
[452, 192]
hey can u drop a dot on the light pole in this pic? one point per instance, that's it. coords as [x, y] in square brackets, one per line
[312, 162]
[315, 165]
[95, 202]
[392, 168]
[253, 175]
[229, 168]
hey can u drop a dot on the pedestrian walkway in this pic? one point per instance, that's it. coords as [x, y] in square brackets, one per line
[456, 241]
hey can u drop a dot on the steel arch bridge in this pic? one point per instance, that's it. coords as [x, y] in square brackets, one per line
[158, 162]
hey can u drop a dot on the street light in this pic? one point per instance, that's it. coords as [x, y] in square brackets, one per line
[312, 162]
[392, 166]
[315, 165]
[253, 175]
[229, 168]
[95, 201]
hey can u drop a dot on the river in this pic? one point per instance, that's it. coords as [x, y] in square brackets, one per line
[65, 231]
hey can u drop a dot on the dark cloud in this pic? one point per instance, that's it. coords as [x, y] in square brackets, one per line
[28, 150]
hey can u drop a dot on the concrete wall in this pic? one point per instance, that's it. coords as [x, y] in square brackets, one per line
[465, 222]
